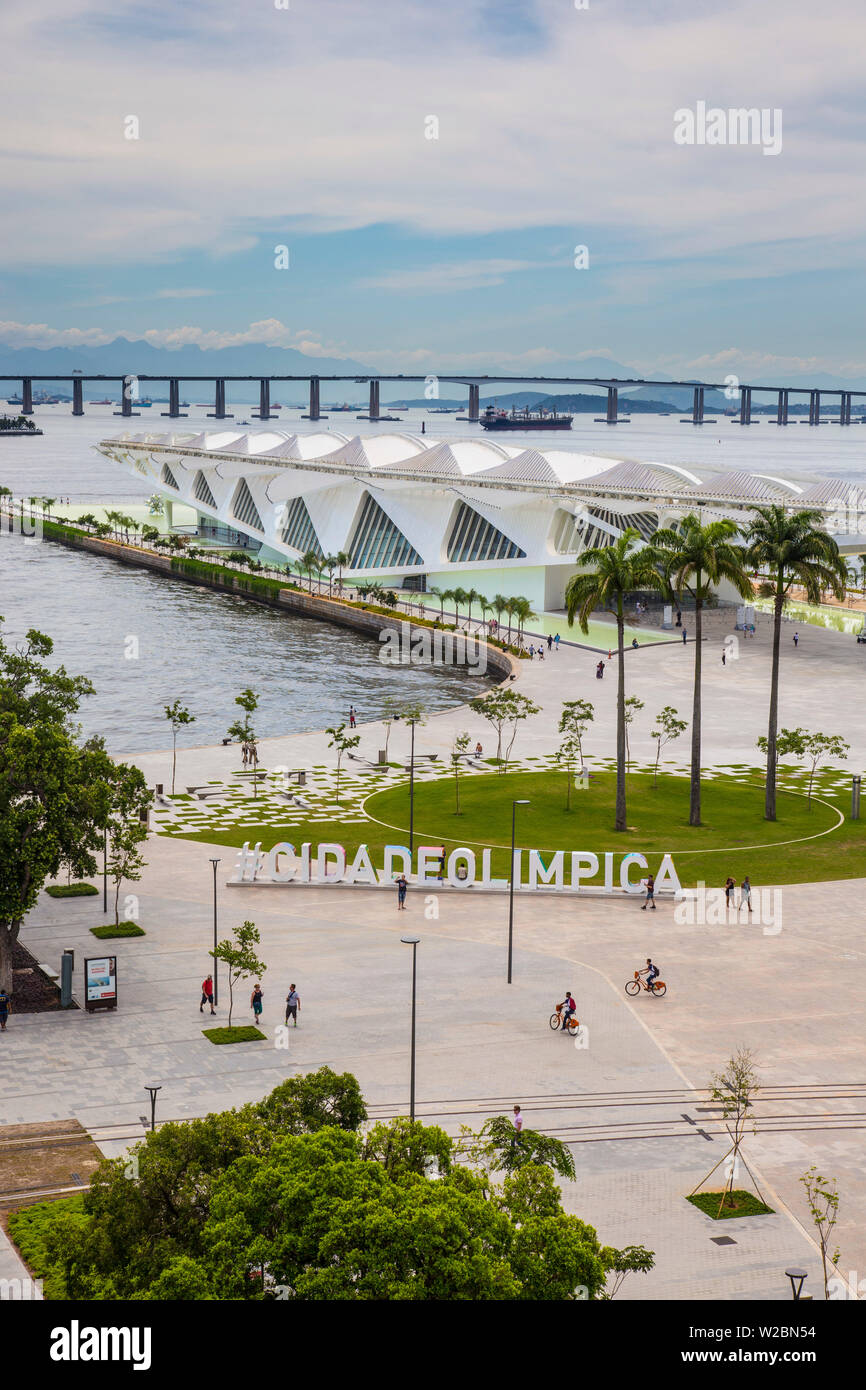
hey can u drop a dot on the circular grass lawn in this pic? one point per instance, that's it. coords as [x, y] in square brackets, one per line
[734, 837]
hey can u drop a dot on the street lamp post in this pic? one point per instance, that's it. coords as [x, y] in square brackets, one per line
[215, 978]
[412, 723]
[514, 806]
[153, 1090]
[105, 870]
[413, 942]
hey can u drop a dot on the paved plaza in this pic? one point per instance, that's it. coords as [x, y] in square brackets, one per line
[629, 1101]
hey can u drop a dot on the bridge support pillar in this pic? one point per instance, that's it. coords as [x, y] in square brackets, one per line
[612, 404]
[745, 405]
[315, 412]
[814, 407]
[219, 406]
[173, 412]
[27, 396]
[126, 401]
[474, 393]
[264, 410]
[782, 408]
[77, 396]
[374, 400]
[698, 406]
[845, 408]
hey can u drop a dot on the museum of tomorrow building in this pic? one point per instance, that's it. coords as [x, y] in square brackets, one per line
[414, 512]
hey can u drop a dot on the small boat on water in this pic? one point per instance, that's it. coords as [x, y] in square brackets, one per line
[104, 401]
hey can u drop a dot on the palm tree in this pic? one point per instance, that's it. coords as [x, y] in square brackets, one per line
[486, 607]
[523, 611]
[472, 596]
[330, 563]
[459, 596]
[311, 563]
[609, 573]
[441, 594]
[695, 558]
[790, 548]
[510, 609]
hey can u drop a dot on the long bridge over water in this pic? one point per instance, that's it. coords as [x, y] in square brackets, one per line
[612, 385]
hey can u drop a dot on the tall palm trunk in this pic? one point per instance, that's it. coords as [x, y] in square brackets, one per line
[620, 821]
[770, 793]
[695, 791]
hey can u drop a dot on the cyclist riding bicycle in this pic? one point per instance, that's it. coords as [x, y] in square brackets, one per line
[568, 1007]
[652, 972]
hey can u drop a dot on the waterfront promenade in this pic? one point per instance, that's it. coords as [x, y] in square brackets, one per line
[794, 998]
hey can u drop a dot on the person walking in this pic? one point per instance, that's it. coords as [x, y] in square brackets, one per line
[207, 994]
[549, 641]
[746, 893]
[245, 750]
[729, 891]
[5, 1004]
[293, 1003]
[685, 636]
[724, 654]
[517, 1121]
[650, 894]
[796, 639]
[256, 1001]
[556, 642]
[402, 885]
[352, 718]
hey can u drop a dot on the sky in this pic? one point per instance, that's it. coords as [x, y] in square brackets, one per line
[431, 171]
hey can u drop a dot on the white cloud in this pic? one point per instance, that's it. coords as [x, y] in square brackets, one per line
[431, 279]
[252, 116]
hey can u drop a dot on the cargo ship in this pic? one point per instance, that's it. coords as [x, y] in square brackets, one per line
[493, 419]
[104, 401]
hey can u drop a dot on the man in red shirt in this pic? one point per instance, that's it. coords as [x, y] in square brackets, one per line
[207, 995]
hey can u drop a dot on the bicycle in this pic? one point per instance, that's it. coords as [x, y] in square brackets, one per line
[555, 1021]
[635, 986]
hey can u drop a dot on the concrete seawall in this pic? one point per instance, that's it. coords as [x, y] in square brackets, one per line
[367, 624]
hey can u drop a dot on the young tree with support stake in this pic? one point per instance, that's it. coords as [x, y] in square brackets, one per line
[343, 742]
[667, 728]
[734, 1091]
[823, 1199]
[458, 751]
[502, 707]
[127, 830]
[239, 954]
[242, 729]
[178, 717]
[576, 717]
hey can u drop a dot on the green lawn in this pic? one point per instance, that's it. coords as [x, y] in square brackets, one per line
[238, 1033]
[802, 845]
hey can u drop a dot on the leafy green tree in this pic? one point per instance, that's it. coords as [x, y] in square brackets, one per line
[406, 1146]
[239, 954]
[789, 548]
[634, 1259]
[504, 707]
[458, 751]
[575, 719]
[667, 728]
[343, 743]
[56, 795]
[304, 1104]
[610, 573]
[695, 559]
[178, 717]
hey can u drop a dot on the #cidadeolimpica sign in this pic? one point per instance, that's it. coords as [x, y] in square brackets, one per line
[564, 870]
